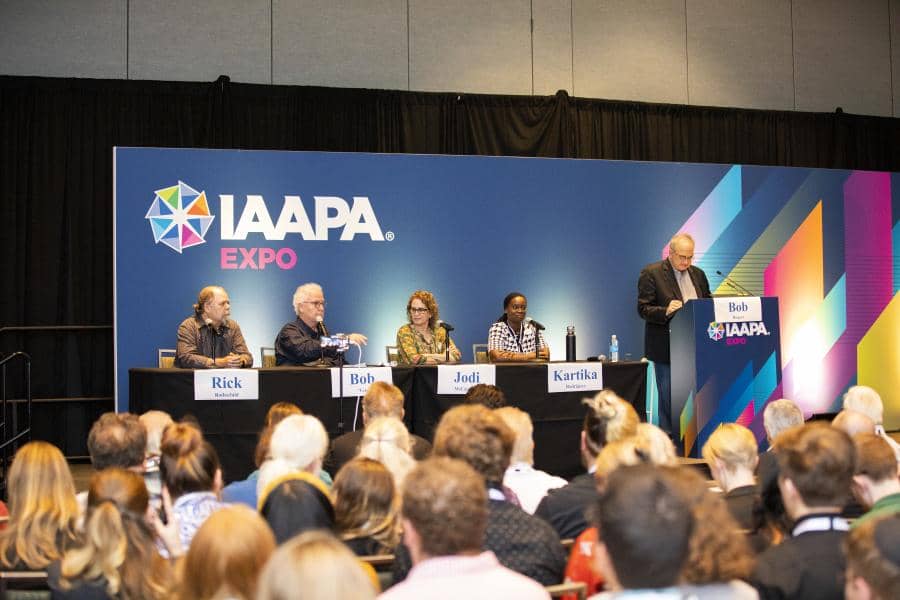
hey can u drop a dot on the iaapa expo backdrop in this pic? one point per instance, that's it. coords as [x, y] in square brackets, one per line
[572, 235]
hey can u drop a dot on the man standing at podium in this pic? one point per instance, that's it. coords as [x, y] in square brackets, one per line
[663, 288]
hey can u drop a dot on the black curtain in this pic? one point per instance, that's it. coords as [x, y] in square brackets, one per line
[57, 135]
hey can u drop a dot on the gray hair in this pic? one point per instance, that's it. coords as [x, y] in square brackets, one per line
[303, 292]
[864, 399]
[679, 237]
[779, 416]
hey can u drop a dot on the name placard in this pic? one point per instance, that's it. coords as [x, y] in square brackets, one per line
[457, 379]
[358, 379]
[738, 310]
[226, 384]
[574, 377]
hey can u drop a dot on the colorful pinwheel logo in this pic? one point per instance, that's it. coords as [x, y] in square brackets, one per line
[179, 217]
[716, 331]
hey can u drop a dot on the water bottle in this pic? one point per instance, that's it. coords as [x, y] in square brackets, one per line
[613, 349]
[570, 343]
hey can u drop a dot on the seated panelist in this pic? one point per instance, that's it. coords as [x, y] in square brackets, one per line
[512, 338]
[422, 341]
[299, 342]
[209, 339]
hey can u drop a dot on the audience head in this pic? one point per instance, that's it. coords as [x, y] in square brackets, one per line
[770, 519]
[645, 526]
[276, 414]
[520, 424]
[486, 395]
[298, 443]
[873, 560]
[117, 545]
[188, 463]
[780, 415]
[319, 565]
[295, 503]
[117, 440]
[386, 440]
[864, 399]
[656, 443]
[382, 400]
[42, 507]
[608, 418]
[852, 422]
[366, 503]
[876, 469]
[226, 556]
[644, 448]
[444, 509]
[155, 422]
[731, 453]
[476, 435]
[816, 465]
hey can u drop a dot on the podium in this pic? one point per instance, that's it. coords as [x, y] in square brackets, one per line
[726, 364]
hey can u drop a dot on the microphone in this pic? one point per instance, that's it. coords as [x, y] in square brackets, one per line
[734, 284]
[320, 326]
[536, 325]
[209, 323]
[447, 326]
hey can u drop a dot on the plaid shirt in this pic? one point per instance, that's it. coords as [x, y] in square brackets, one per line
[502, 337]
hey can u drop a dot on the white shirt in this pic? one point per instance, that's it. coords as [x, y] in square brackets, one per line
[530, 484]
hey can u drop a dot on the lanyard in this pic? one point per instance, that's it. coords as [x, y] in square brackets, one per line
[519, 340]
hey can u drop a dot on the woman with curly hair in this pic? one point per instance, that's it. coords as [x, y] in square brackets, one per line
[43, 512]
[422, 341]
[118, 558]
[366, 507]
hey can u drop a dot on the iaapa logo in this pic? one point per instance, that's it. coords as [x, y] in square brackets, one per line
[735, 333]
[179, 217]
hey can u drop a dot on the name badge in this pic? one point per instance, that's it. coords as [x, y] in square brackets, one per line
[226, 384]
[457, 379]
[358, 379]
[738, 310]
[574, 377]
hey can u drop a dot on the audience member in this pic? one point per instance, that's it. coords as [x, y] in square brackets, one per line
[476, 435]
[315, 566]
[873, 560]
[381, 400]
[485, 394]
[296, 502]
[298, 443]
[191, 479]
[770, 522]
[445, 516]
[117, 558]
[155, 422]
[608, 418]
[43, 513]
[779, 416]
[117, 440]
[387, 441]
[852, 422]
[875, 483]
[816, 464]
[527, 483]
[656, 443]
[731, 454]
[864, 399]
[226, 557]
[646, 523]
[366, 507]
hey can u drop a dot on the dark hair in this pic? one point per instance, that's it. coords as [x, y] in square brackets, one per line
[188, 463]
[117, 440]
[365, 503]
[509, 298]
[872, 554]
[646, 526]
[819, 460]
[485, 394]
[294, 506]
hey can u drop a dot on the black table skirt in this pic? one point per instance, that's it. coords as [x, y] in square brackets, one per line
[233, 426]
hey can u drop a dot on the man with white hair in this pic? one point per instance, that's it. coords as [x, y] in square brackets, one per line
[866, 400]
[780, 415]
[298, 343]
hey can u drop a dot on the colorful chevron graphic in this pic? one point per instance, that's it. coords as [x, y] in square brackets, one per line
[179, 217]
[825, 243]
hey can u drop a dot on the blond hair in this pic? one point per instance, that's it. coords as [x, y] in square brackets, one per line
[386, 440]
[42, 507]
[319, 565]
[733, 445]
[864, 399]
[608, 418]
[520, 422]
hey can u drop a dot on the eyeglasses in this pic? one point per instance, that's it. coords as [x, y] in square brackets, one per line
[418, 310]
[317, 303]
[683, 257]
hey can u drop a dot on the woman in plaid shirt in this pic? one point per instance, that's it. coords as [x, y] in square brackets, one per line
[512, 338]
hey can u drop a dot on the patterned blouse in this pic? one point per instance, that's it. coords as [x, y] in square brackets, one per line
[502, 337]
[411, 345]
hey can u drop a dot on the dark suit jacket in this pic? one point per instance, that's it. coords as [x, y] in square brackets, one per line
[810, 565]
[564, 508]
[656, 288]
[344, 447]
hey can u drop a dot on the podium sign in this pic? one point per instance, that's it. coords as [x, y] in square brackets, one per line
[722, 371]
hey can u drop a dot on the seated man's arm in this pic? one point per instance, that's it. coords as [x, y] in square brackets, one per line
[187, 350]
[239, 347]
[298, 347]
